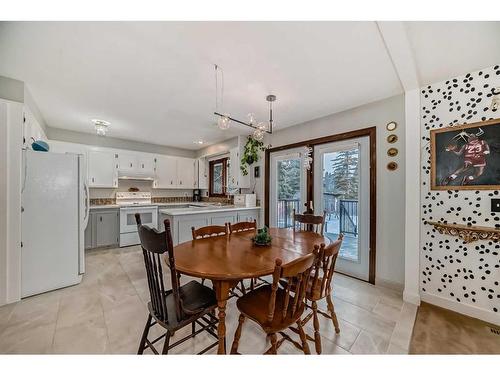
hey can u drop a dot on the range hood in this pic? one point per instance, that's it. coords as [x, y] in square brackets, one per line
[135, 175]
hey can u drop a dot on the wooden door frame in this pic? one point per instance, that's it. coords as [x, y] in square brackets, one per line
[371, 132]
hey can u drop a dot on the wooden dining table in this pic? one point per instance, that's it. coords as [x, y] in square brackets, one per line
[226, 260]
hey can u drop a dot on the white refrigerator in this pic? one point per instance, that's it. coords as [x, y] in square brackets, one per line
[55, 211]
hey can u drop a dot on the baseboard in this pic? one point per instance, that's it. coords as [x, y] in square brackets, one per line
[389, 284]
[413, 298]
[475, 312]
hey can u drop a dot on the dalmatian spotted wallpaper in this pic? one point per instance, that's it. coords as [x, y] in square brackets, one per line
[450, 269]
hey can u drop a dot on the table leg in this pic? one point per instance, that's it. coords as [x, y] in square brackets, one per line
[222, 288]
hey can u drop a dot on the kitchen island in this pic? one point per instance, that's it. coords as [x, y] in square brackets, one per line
[182, 219]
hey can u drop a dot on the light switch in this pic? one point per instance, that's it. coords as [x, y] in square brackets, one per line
[495, 205]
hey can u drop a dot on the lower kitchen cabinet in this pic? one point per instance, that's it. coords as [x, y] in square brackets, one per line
[103, 229]
[181, 224]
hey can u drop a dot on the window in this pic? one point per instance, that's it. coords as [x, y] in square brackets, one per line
[218, 177]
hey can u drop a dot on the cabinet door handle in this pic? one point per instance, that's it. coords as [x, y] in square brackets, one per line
[130, 165]
[143, 166]
[100, 218]
[92, 179]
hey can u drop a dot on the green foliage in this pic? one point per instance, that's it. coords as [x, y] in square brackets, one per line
[289, 179]
[342, 177]
[262, 237]
[251, 153]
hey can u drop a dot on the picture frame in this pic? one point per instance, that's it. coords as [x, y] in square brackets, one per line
[466, 157]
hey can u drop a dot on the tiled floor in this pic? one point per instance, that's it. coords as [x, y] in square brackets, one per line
[107, 312]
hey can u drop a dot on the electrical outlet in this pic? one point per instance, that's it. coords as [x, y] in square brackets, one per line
[495, 205]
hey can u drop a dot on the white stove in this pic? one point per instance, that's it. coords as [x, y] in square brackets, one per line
[132, 203]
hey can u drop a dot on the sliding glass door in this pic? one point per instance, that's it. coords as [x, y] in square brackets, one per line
[287, 187]
[342, 189]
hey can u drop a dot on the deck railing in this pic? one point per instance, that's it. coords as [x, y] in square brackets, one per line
[285, 211]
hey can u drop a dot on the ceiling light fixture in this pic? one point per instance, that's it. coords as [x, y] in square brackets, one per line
[199, 142]
[224, 119]
[101, 126]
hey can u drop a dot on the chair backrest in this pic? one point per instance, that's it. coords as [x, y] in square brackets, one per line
[296, 274]
[209, 231]
[325, 266]
[243, 226]
[154, 244]
[309, 222]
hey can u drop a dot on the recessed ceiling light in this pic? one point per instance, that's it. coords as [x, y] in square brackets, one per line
[101, 126]
[199, 142]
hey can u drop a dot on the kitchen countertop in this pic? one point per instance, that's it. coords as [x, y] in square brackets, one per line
[159, 205]
[203, 210]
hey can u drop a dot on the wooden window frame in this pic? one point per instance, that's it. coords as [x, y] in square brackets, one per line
[211, 164]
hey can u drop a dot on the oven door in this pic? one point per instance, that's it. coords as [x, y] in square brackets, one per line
[149, 217]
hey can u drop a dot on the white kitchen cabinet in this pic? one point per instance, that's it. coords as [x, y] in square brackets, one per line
[102, 168]
[236, 178]
[185, 173]
[31, 129]
[202, 173]
[146, 164]
[127, 162]
[181, 223]
[166, 172]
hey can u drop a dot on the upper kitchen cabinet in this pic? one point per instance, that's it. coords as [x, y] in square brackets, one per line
[202, 164]
[185, 173]
[166, 172]
[132, 164]
[32, 131]
[236, 178]
[175, 173]
[102, 167]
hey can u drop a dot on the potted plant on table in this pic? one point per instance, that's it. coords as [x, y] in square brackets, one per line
[262, 237]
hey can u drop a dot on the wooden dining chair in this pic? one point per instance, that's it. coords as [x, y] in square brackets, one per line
[243, 226]
[209, 231]
[275, 309]
[174, 308]
[309, 222]
[320, 287]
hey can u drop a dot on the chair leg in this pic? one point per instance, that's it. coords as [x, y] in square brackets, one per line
[166, 344]
[303, 339]
[317, 337]
[193, 327]
[243, 289]
[145, 333]
[274, 343]
[331, 310]
[237, 335]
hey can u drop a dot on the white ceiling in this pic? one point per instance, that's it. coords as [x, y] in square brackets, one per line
[154, 81]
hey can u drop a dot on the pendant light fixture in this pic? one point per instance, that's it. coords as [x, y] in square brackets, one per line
[224, 119]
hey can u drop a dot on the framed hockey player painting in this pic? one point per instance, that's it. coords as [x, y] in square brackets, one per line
[466, 157]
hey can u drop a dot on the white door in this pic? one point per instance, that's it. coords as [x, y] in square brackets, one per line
[102, 170]
[342, 189]
[288, 187]
[166, 172]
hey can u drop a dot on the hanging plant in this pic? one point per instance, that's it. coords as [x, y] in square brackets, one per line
[251, 154]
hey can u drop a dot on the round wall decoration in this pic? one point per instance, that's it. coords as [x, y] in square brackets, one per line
[391, 126]
[392, 152]
[393, 138]
[392, 166]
